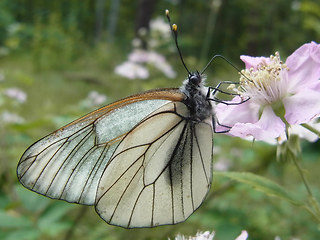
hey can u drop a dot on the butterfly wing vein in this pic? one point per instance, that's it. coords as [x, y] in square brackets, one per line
[159, 178]
[157, 173]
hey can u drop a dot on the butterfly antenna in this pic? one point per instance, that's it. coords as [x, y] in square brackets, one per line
[220, 56]
[174, 30]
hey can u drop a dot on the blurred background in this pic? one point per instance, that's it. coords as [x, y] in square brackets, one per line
[62, 59]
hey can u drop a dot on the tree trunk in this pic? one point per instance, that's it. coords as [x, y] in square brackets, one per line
[113, 19]
[145, 10]
[100, 4]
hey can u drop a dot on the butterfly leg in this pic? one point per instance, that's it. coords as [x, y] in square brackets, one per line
[212, 91]
[216, 122]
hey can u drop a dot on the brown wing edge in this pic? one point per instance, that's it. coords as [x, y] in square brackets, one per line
[173, 94]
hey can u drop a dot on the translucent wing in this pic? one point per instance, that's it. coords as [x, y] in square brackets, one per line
[160, 172]
[68, 163]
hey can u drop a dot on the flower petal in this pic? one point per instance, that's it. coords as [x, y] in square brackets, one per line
[304, 66]
[243, 236]
[132, 70]
[268, 127]
[252, 62]
[302, 107]
[305, 133]
[228, 115]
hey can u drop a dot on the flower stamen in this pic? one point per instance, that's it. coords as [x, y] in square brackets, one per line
[264, 84]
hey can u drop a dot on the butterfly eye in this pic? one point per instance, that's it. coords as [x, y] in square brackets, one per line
[194, 79]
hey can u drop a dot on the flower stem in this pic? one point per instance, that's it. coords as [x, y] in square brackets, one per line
[305, 182]
[309, 210]
[310, 128]
[311, 199]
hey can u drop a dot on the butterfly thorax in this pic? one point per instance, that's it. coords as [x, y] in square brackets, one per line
[196, 97]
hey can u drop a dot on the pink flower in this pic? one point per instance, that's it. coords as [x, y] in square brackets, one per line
[10, 118]
[280, 94]
[132, 70]
[17, 94]
[243, 236]
[153, 58]
[139, 56]
[93, 99]
[199, 236]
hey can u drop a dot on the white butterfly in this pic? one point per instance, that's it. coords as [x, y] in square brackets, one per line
[143, 161]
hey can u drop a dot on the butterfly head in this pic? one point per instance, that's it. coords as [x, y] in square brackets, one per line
[194, 82]
[195, 78]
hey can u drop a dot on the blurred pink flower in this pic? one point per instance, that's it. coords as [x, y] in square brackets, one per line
[160, 63]
[199, 236]
[93, 99]
[17, 94]
[279, 94]
[243, 236]
[96, 98]
[132, 70]
[10, 118]
[160, 26]
[153, 58]
[209, 236]
[139, 56]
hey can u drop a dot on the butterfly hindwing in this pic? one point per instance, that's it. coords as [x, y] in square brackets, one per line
[152, 178]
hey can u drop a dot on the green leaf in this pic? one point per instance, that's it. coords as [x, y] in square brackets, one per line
[54, 213]
[11, 221]
[30, 200]
[56, 228]
[53, 220]
[262, 184]
[25, 234]
[4, 201]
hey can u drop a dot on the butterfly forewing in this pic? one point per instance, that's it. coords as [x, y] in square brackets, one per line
[153, 177]
[68, 163]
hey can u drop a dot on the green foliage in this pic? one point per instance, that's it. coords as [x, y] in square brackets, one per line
[311, 16]
[52, 46]
[261, 184]
[6, 18]
[39, 218]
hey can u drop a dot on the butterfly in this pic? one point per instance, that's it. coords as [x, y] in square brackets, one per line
[142, 161]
